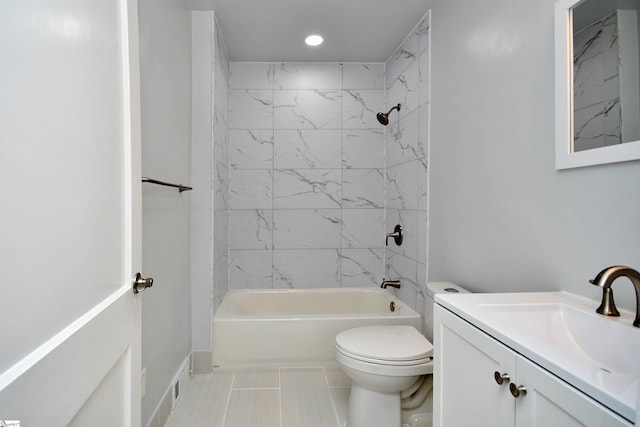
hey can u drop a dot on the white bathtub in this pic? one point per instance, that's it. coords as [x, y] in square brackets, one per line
[255, 327]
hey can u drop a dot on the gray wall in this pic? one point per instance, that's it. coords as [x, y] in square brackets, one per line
[501, 217]
[165, 50]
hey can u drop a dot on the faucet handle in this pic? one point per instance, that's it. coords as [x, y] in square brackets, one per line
[607, 306]
[397, 235]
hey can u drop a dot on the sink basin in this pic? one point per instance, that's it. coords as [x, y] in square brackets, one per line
[593, 338]
[562, 333]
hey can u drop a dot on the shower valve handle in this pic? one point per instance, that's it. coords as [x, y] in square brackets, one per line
[397, 235]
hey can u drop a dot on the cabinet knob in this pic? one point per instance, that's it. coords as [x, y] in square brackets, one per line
[500, 378]
[517, 390]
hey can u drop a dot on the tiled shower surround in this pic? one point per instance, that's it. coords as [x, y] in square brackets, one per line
[306, 193]
[315, 182]
[407, 146]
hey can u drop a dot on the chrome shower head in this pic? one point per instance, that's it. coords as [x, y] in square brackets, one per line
[383, 118]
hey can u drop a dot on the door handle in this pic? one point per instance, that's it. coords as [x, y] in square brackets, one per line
[139, 284]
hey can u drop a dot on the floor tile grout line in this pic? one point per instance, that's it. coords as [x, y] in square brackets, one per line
[280, 393]
[331, 396]
[226, 407]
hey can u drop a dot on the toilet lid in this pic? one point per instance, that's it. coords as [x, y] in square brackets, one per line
[396, 342]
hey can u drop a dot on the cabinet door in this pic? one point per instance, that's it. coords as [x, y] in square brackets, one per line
[550, 402]
[465, 390]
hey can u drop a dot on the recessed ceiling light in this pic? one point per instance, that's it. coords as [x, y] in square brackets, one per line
[313, 40]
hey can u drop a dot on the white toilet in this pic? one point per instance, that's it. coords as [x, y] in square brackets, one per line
[385, 364]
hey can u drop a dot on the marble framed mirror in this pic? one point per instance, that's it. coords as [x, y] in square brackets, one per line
[597, 82]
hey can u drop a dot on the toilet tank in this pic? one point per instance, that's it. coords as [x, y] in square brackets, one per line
[432, 289]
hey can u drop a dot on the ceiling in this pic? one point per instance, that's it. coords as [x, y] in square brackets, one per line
[274, 30]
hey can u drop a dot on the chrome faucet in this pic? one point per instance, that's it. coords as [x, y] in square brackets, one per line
[605, 279]
[392, 283]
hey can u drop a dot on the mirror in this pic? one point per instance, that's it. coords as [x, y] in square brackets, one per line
[597, 82]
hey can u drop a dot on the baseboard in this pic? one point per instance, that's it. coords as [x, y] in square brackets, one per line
[178, 385]
[201, 362]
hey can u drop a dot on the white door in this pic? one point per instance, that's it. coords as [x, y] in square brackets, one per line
[69, 212]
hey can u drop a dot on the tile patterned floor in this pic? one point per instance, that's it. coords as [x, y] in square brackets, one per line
[269, 397]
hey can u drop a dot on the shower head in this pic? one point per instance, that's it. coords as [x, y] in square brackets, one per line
[383, 118]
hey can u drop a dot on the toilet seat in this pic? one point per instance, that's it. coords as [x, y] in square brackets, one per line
[395, 350]
[382, 361]
[385, 343]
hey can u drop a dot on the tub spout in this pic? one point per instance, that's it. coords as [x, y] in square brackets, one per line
[392, 283]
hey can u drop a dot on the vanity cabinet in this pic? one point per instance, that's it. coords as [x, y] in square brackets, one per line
[468, 367]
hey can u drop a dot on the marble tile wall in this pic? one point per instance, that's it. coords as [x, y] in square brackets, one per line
[406, 141]
[597, 85]
[220, 173]
[306, 175]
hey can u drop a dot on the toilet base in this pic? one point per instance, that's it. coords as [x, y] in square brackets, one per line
[372, 408]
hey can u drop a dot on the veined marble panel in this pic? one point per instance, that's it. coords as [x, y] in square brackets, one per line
[220, 233]
[424, 78]
[250, 269]
[252, 229]
[593, 39]
[421, 288]
[409, 221]
[612, 123]
[220, 173]
[251, 149]
[421, 237]
[306, 75]
[360, 108]
[589, 127]
[251, 75]
[403, 143]
[363, 76]
[306, 228]
[362, 267]
[306, 268]
[401, 268]
[423, 132]
[588, 82]
[307, 149]
[363, 148]
[404, 56]
[251, 189]
[423, 185]
[308, 109]
[363, 228]
[220, 51]
[405, 90]
[424, 28]
[220, 280]
[251, 109]
[402, 186]
[308, 188]
[363, 188]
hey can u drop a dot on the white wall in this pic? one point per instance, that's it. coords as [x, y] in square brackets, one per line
[165, 45]
[501, 217]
